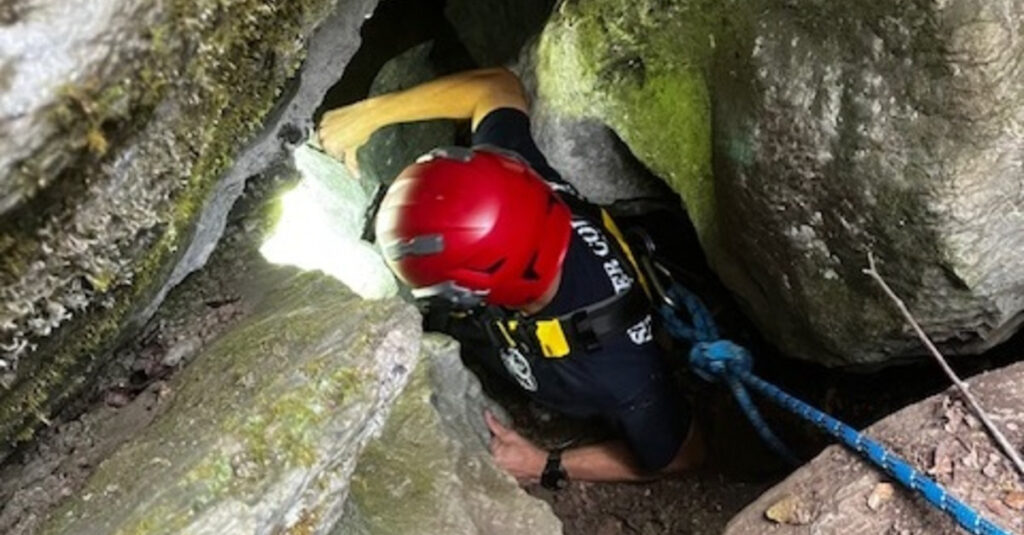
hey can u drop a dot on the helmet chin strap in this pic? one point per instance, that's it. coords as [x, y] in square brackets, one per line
[450, 292]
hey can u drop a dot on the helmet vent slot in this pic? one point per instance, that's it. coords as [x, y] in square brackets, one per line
[552, 202]
[531, 273]
[493, 268]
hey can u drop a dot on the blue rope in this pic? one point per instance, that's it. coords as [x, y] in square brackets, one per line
[710, 355]
[718, 360]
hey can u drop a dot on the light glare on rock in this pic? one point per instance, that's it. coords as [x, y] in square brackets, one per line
[320, 226]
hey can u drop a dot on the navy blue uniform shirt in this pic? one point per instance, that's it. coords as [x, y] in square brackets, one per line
[626, 381]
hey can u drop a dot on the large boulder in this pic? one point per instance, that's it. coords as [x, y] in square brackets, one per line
[432, 458]
[836, 129]
[265, 426]
[839, 493]
[121, 124]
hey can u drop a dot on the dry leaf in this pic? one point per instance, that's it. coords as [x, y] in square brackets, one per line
[1014, 500]
[998, 508]
[991, 469]
[970, 460]
[881, 494]
[942, 459]
[789, 510]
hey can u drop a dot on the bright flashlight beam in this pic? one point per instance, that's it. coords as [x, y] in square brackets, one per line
[320, 225]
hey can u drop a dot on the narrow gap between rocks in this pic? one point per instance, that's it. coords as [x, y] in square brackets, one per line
[739, 471]
[698, 503]
[129, 393]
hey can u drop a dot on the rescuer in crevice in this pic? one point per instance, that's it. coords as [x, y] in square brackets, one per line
[505, 254]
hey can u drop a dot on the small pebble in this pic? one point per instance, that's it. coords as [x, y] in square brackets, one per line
[881, 494]
[789, 510]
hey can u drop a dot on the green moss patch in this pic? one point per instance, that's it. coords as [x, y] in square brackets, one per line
[220, 65]
[639, 68]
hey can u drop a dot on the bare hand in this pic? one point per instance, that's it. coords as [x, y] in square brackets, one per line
[513, 453]
[343, 130]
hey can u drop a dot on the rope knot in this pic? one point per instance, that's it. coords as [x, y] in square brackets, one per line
[713, 360]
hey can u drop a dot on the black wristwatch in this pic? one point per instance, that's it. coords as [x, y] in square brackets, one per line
[554, 476]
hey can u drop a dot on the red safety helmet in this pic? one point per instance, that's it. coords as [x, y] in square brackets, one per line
[471, 225]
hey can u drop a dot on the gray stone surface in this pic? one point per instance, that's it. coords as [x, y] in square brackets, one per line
[120, 172]
[46, 49]
[394, 147]
[265, 426]
[838, 129]
[837, 493]
[885, 127]
[430, 470]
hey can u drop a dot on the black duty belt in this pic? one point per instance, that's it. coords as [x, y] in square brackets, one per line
[582, 330]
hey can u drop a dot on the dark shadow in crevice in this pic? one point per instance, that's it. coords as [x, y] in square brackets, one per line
[397, 26]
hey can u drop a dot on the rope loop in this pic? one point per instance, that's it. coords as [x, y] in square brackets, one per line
[713, 361]
[722, 361]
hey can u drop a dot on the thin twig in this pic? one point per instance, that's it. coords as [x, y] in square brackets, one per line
[994, 431]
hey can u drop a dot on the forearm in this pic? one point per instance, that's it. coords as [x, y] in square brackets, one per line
[466, 95]
[607, 461]
[614, 461]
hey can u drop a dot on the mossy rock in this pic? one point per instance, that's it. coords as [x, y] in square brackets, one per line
[121, 168]
[432, 459]
[832, 130]
[264, 426]
[639, 68]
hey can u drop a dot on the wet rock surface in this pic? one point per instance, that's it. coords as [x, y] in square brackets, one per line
[432, 458]
[117, 183]
[838, 493]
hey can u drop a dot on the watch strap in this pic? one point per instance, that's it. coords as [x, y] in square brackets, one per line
[554, 476]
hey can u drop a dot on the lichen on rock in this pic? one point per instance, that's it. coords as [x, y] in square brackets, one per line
[265, 425]
[117, 168]
[432, 458]
[833, 130]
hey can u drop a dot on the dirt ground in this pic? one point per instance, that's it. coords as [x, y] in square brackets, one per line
[698, 504]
